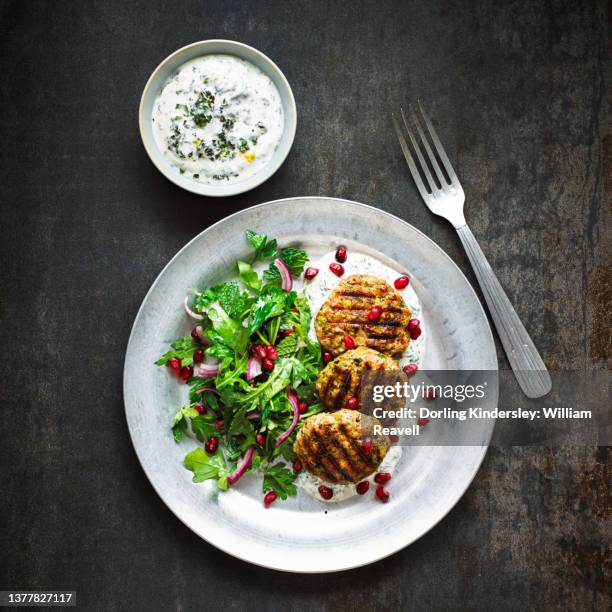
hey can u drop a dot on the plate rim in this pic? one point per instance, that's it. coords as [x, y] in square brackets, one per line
[483, 448]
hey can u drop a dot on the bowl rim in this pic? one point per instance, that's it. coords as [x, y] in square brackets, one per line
[268, 169]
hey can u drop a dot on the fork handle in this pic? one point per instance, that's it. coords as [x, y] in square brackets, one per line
[528, 367]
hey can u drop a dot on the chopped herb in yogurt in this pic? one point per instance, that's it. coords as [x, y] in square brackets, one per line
[219, 118]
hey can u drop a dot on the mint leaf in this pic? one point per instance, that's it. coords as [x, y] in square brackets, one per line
[249, 277]
[232, 300]
[287, 346]
[264, 248]
[207, 467]
[279, 479]
[294, 258]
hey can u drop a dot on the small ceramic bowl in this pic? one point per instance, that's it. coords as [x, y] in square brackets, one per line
[168, 67]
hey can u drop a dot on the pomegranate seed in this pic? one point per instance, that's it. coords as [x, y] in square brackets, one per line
[413, 324]
[327, 357]
[211, 445]
[382, 477]
[195, 333]
[401, 282]
[375, 313]
[410, 369]
[382, 494]
[310, 273]
[337, 269]
[288, 332]
[297, 466]
[200, 409]
[325, 492]
[269, 498]
[422, 422]
[185, 373]
[174, 363]
[362, 487]
[430, 393]
[259, 351]
[349, 343]
[219, 424]
[261, 439]
[366, 446]
[415, 333]
[267, 364]
[271, 352]
[341, 253]
[303, 407]
[352, 403]
[198, 356]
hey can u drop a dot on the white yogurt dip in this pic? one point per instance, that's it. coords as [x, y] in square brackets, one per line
[318, 290]
[310, 484]
[218, 119]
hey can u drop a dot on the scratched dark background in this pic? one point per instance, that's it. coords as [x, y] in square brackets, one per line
[519, 91]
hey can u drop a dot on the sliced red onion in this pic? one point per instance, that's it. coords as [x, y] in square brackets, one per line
[252, 416]
[253, 368]
[190, 312]
[293, 400]
[203, 339]
[286, 282]
[242, 466]
[208, 369]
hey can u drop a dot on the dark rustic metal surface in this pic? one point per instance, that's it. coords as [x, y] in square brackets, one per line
[518, 91]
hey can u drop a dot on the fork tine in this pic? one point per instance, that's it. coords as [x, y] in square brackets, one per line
[439, 148]
[409, 159]
[430, 155]
[417, 149]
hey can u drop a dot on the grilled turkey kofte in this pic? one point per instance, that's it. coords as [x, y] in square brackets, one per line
[330, 446]
[344, 377]
[346, 311]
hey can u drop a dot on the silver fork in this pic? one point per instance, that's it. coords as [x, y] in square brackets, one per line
[445, 198]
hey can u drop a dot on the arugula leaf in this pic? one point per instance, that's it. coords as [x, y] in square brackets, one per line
[231, 333]
[203, 427]
[279, 479]
[264, 248]
[179, 422]
[287, 346]
[294, 258]
[249, 277]
[207, 467]
[183, 348]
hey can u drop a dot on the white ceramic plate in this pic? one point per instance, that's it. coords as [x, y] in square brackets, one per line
[303, 534]
[169, 66]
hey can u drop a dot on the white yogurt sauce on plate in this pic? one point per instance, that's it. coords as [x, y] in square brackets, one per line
[318, 290]
[218, 119]
[310, 484]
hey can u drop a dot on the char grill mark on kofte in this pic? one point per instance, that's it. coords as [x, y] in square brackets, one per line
[346, 312]
[345, 376]
[329, 446]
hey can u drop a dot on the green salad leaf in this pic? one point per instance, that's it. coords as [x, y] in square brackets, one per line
[279, 479]
[264, 248]
[207, 467]
[249, 277]
[294, 258]
[183, 349]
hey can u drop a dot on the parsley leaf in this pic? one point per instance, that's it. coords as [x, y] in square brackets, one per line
[207, 467]
[279, 479]
[264, 248]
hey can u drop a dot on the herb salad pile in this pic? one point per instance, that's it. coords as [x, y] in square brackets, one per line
[251, 370]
